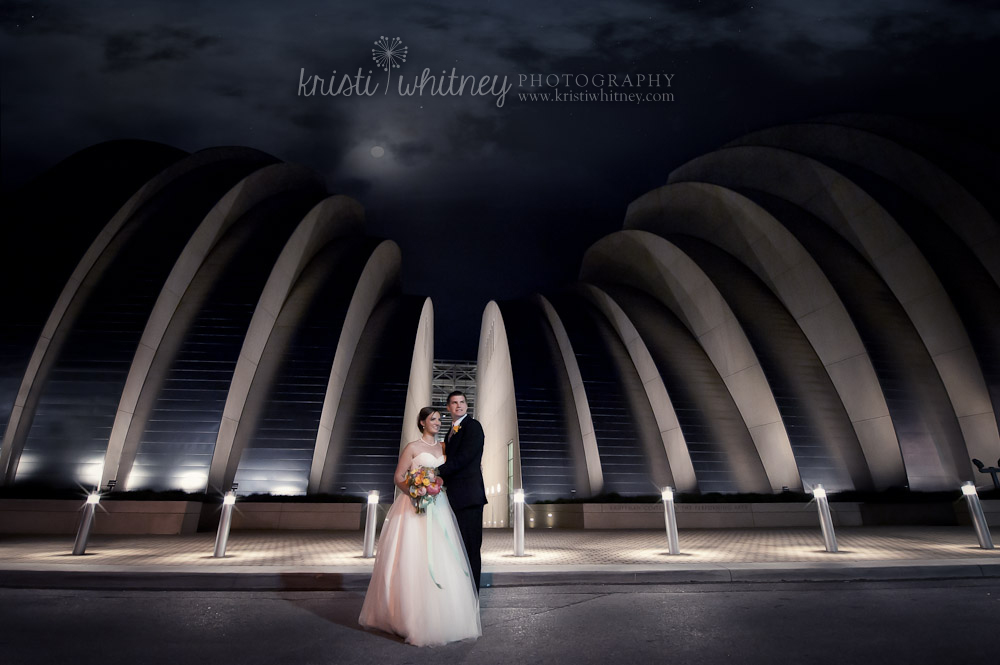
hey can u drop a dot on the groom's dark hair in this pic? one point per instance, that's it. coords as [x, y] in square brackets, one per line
[455, 393]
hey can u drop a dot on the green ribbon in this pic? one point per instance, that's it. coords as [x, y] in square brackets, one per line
[430, 545]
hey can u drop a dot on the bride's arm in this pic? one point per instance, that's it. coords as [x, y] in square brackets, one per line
[399, 478]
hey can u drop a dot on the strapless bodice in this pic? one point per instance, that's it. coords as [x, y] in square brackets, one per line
[426, 459]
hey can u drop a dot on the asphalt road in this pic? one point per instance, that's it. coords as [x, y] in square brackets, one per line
[934, 622]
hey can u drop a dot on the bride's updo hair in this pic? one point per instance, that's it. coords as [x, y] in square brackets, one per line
[424, 414]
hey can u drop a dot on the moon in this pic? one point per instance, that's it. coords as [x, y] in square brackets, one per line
[377, 151]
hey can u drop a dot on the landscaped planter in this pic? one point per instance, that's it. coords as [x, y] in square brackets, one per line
[689, 515]
[991, 509]
[300, 516]
[61, 516]
[44, 516]
[921, 514]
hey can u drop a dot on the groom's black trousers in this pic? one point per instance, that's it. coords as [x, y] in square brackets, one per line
[470, 523]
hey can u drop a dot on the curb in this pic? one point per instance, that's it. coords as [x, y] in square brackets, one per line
[291, 580]
[173, 581]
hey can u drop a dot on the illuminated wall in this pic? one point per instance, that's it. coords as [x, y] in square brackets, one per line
[229, 321]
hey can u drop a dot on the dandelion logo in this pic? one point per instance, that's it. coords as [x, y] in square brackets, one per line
[388, 55]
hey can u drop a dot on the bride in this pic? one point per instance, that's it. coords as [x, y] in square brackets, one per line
[421, 587]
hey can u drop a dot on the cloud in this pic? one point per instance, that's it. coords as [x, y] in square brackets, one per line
[523, 54]
[412, 153]
[129, 49]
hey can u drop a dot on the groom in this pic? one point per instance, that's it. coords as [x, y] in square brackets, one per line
[463, 477]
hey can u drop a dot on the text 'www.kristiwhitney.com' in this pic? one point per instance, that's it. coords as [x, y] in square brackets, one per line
[627, 88]
[600, 96]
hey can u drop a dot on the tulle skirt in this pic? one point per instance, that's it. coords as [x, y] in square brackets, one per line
[421, 587]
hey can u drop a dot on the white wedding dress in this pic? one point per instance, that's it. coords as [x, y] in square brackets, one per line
[421, 587]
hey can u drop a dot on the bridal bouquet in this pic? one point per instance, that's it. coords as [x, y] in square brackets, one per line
[424, 484]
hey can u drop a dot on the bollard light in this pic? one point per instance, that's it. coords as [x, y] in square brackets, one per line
[825, 518]
[978, 518]
[370, 524]
[519, 522]
[86, 521]
[225, 523]
[670, 517]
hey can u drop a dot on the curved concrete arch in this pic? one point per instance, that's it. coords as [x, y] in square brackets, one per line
[252, 190]
[307, 330]
[722, 451]
[821, 434]
[84, 189]
[859, 219]
[750, 233]
[79, 286]
[954, 232]
[418, 392]
[971, 163]
[549, 436]
[496, 409]
[649, 263]
[671, 434]
[591, 457]
[381, 273]
[331, 218]
[373, 415]
[629, 442]
[929, 436]
[956, 207]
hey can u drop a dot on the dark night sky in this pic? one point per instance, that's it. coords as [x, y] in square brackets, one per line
[485, 202]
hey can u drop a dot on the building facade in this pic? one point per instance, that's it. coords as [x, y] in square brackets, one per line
[810, 304]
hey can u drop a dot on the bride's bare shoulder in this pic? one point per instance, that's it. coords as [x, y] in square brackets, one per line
[410, 449]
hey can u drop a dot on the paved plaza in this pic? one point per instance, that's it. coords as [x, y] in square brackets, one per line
[552, 556]
[732, 596]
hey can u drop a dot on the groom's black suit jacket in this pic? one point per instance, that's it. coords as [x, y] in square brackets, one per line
[462, 472]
